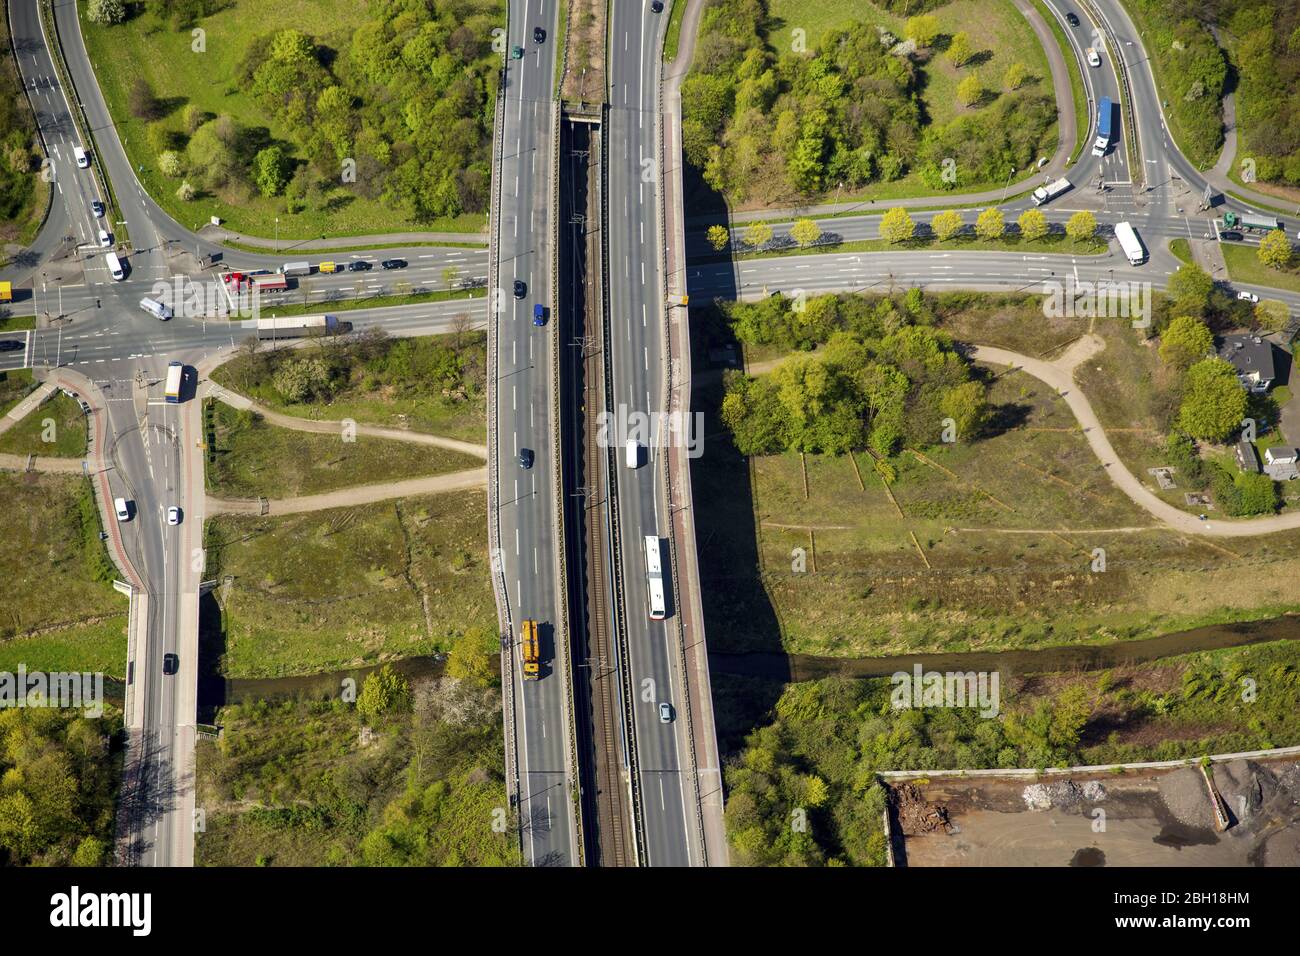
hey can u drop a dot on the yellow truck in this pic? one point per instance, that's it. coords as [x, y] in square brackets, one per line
[330, 267]
[530, 650]
[6, 292]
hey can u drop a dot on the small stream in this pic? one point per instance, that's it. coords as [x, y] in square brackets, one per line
[801, 667]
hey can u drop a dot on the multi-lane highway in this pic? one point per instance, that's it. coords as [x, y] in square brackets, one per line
[636, 323]
[525, 497]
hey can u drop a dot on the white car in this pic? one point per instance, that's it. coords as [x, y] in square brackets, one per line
[97, 208]
[1247, 296]
[173, 515]
[1094, 59]
[665, 713]
[105, 240]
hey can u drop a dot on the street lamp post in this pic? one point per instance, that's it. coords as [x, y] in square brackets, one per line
[1008, 185]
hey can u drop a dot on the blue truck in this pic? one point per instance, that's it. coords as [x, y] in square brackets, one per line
[1106, 123]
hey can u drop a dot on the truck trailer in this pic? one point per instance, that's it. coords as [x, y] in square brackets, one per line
[530, 650]
[1106, 111]
[297, 326]
[1130, 243]
[1049, 192]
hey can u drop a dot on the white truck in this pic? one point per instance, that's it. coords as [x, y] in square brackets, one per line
[300, 326]
[1130, 243]
[155, 308]
[115, 268]
[1049, 192]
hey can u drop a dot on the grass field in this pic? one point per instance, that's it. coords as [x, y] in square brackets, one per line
[351, 586]
[68, 424]
[98, 646]
[57, 575]
[295, 784]
[180, 76]
[249, 458]
[14, 387]
[1244, 266]
[362, 302]
[1180, 249]
[367, 399]
[1005, 530]
[996, 29]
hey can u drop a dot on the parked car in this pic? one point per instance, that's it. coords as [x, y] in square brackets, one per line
[525, 458]
[521, 288]
[358, 265]
[171, 664]
[393, 264]
[1247, 296]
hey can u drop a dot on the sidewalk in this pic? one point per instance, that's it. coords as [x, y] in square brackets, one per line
[1067, 139]
[470, 478]
[219, 234]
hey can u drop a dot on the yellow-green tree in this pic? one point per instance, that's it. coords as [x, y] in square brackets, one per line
[757, 234]
[1033, 224]
[990, 224]
[970, 91]
[1082, 225]
[805, 232]
[718, 237]
[1186, 340]
[959, 49]
[922, 29]
[896, 225]
[1275, 250]
[1015, 76]
[946, 224]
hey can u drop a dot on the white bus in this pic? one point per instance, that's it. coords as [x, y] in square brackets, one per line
[654, 577]
[298, 326]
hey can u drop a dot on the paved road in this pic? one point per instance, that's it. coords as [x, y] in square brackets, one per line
[527, 512]
[637, 342]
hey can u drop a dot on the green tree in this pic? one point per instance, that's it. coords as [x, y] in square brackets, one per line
[922, 29]
[896, 225]
[990, 224]
[946, 224]
[959, 49]
[805, 232]
[1256, 494]
[106, 11]
[185, 192]
[300, 380]
[1033, 224]
[1275, 250]
[1213, 401]
[270, 171]
[718, 237]
[970, 91]
[1190, 288]
[1186, 340]
[758, 234]
[966, 404]
[1082, 225]
[384, 692]
[474, 657]
[1015, 76]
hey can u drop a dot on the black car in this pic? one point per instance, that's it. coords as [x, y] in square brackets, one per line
[521, 288]
[171, 664]
[657, 6]
[358, 265]
[9, 345]
[1071, 19]
[1230, 236]
[393, 264]
[539, 35]
[525, 458]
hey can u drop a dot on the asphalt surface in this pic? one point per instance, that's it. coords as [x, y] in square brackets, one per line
[524, 386]
[637, 344]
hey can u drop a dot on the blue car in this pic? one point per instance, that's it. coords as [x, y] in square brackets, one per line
[539, 314]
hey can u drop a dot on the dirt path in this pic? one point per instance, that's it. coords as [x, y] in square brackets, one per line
[331, 427]
[354, 495]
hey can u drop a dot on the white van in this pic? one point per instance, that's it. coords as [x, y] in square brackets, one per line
[296, 269]
[83, 160]
[123, 509]
[633, 453]
[105, 240]
[156, 308]
[114, 266]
